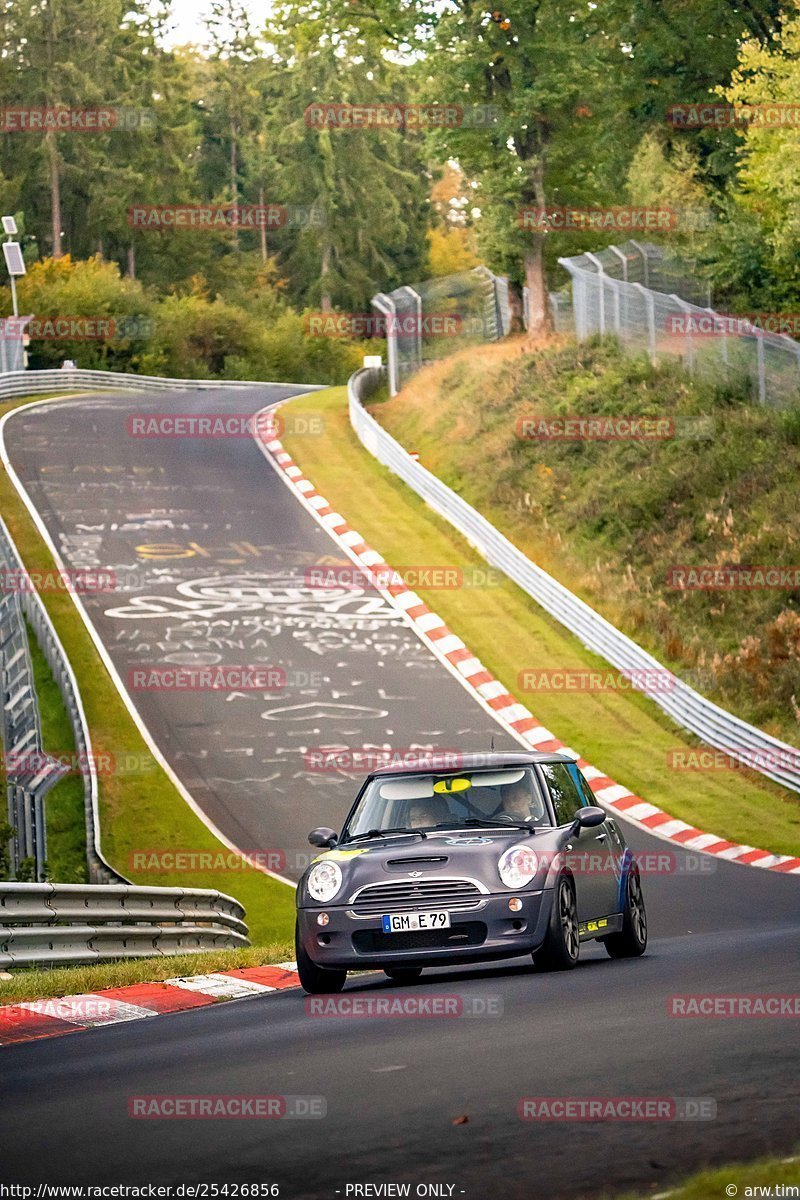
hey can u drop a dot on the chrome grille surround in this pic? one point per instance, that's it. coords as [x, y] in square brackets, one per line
[453, 893]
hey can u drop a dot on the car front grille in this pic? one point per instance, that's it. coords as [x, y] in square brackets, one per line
[416, 895]
[374, 941]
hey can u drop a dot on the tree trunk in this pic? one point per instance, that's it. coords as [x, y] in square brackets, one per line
[132, 261]
[325, 270]
[539, 320]
[262, 224]
[234, 184]
[55, 192]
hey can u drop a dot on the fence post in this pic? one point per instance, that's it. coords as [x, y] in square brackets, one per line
[600, 283]
[417, 299]
[651, 321]
[386, 305]
[686, 309]
[645, 262]
[760, 359]
[623, 259]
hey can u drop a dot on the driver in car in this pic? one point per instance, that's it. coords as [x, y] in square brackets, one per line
[424, 813]
[519, 803]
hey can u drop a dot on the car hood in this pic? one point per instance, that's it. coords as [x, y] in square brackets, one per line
[471, 854]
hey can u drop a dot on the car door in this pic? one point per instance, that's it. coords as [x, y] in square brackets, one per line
[595, 881]
[608, 849]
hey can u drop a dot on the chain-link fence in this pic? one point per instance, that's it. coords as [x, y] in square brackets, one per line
[652, 303]
[12, 344]
[430, 320]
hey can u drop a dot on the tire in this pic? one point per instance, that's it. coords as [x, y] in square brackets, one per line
[560, 949]
[631, 941]
[317, 981]
[403, 974]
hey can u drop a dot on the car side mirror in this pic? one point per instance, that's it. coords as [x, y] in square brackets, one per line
[589, 817]
[323, 837]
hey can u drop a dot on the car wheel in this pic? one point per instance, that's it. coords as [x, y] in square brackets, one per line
[317, 981]
[560, 949]
[403, 974]
[631, 941]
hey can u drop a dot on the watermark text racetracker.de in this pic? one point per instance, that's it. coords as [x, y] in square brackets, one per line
[735, 1006]
[226, 1107]
[208, 218]
[405, 1005]
[61, 119]
[594, 428]
[269, 425]
[617, 1108]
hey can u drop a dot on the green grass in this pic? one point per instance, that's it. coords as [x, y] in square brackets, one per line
[624, 734]
[64, 811]
[708, 1185]
[77, 981]
[143, 810]
[610, 519]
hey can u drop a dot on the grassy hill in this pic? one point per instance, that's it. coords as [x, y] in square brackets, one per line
[612, 519]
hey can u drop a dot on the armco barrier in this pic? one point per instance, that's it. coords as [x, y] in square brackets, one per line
[25, 742]
[35, 383]
[709, 722]
[43, 923]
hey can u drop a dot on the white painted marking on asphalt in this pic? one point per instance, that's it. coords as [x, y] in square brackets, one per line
[640, 811]
[220, 985]
[492, 689]
[450, 643]
[539, 734]
[89, 1010]
[618, 792]
[429, 621]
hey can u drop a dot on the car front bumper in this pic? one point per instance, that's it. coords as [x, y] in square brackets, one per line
[489, 930]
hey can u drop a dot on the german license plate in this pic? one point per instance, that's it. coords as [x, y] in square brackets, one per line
[408, 922]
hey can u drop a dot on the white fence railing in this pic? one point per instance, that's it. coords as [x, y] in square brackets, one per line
[712, 724]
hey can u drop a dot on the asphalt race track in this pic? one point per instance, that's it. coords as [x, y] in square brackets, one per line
[394, 1089]
[213, 551]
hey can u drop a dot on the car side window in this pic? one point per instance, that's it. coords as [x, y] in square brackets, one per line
[587, 795]
[563, 792]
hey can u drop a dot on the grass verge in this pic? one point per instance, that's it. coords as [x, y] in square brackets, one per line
[624, 733]
[66, 825]
[141, 809]
[746, 1178]
[77, 981]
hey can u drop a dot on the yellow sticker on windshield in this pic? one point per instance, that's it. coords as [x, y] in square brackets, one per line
[340, 855]
[451, 785]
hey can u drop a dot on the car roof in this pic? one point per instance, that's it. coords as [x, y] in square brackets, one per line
[452, 761]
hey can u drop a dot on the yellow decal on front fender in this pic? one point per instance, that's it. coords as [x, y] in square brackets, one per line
[340, 855]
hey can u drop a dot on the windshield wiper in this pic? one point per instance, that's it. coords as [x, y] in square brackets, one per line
[477, 821]
[386, 833]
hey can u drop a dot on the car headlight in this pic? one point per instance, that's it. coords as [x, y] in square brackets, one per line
[324, 881]
[517, 866]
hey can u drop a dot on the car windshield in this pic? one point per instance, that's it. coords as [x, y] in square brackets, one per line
[450, 800]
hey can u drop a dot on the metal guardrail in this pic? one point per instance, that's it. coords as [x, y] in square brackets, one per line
[45, 923]
[712, 724]
[21, 730]
[32, 383]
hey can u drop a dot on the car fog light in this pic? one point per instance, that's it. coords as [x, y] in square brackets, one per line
[322, 918]
[515, 904]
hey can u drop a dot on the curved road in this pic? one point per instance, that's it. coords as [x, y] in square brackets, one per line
[396, 1090]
